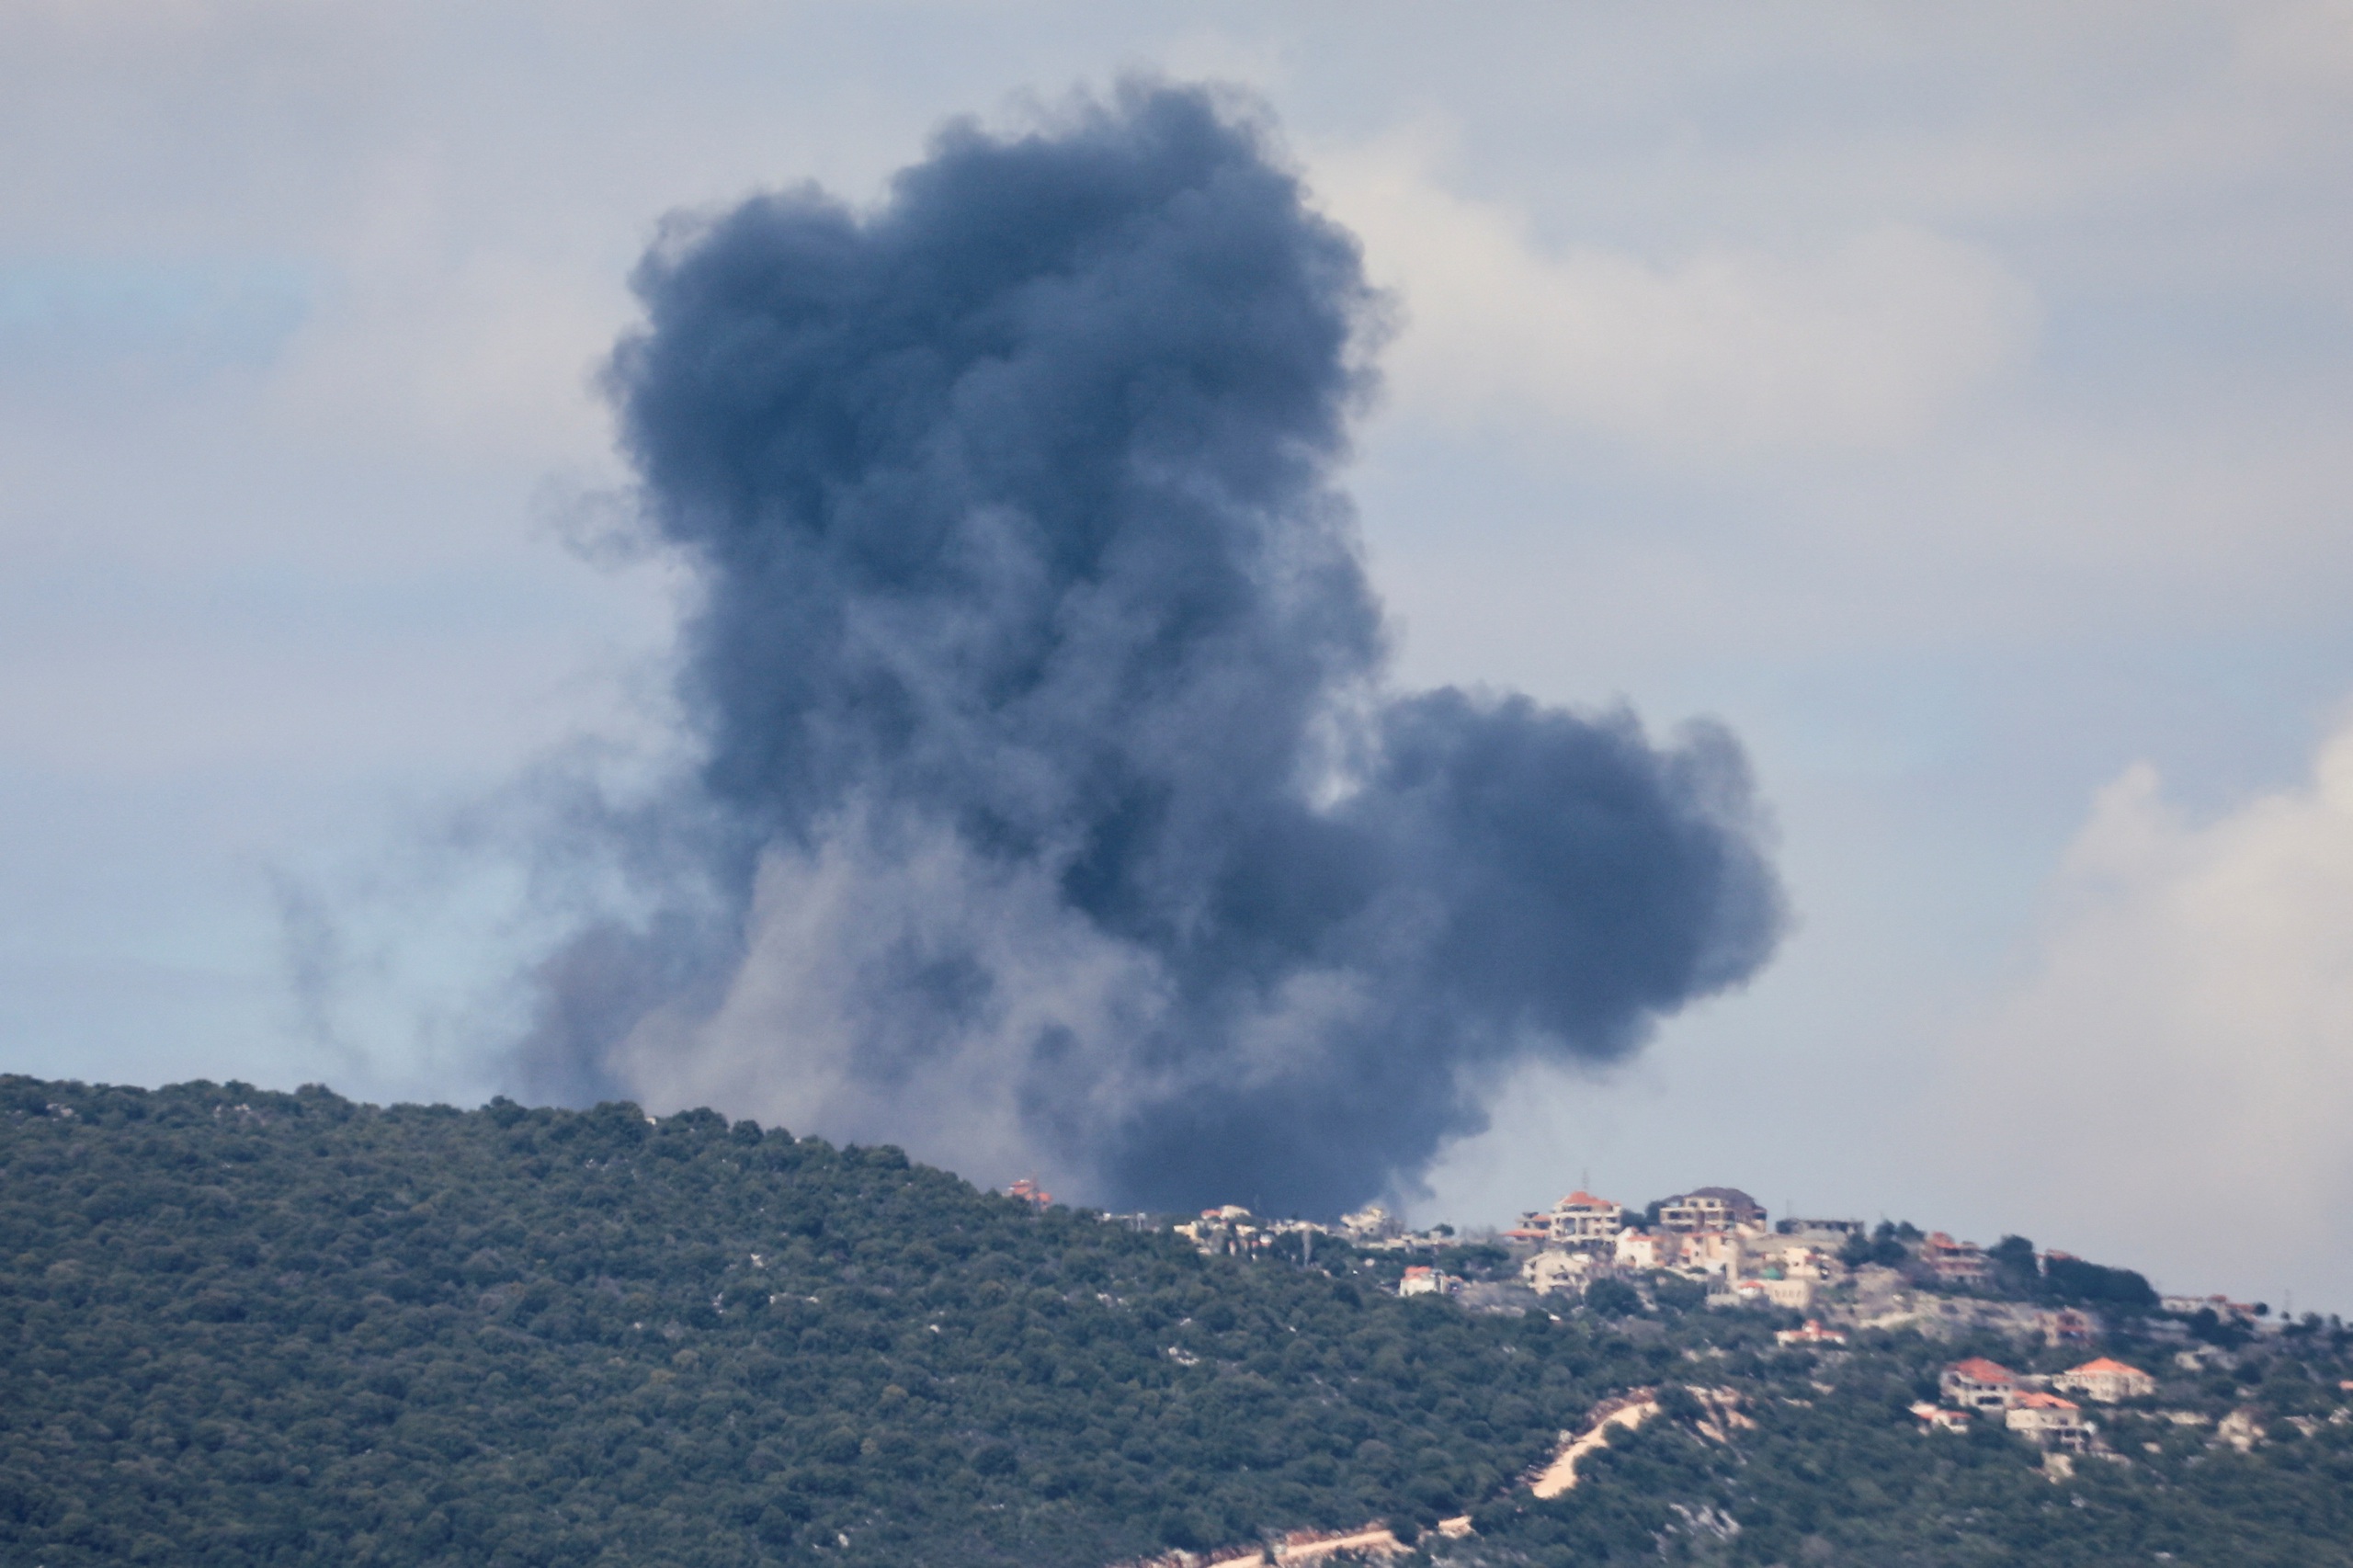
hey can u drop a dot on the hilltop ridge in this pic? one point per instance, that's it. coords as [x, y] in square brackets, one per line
[1724, 1244]
[265, 1328]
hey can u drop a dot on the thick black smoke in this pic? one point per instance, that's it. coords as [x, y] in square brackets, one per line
[1055, 814]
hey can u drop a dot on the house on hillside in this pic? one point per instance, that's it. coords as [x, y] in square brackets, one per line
[1811, 1333]
[1029, 1192]
[1979, 1385]
[2049, 1421]
[2106, 1380]
[1225, 1232]
[1936, 1419]
[1581, 1220]
[1709, 1252]
[1423, 1280]
[1793, 1295]
[2222, 1307]
[1955, 1263]
[1645, 1250]
[1711, 1208]
[1784, 1257]
[1558, 1271]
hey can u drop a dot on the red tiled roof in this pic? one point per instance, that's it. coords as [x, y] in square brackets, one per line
[2105, 1364]
[1979, 1370]
[2044, 1402]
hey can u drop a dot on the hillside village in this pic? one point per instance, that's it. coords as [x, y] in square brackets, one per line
[1717, 1247]
[1720, 1242]
[247, 1326]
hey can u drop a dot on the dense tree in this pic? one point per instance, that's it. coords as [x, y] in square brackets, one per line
[2089, 1284]
[250, 1327]
[239, 1327]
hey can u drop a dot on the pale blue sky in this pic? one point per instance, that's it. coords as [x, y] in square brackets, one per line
[1954, 403]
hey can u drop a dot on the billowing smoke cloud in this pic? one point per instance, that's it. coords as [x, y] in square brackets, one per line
[1053, 816]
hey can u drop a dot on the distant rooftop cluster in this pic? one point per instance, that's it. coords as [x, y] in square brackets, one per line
[2032, 1404]
[1718, 1246]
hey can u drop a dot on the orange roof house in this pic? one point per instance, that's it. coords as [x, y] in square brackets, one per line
[1979, 1385]
[2052, 1422]
[2106, 1380]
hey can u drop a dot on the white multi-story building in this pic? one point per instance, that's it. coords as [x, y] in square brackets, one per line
[1979, 1385]
[2049, 1420]
[1955, 1263]
[1582, 1220]
[2106, 1381]
[1711, 1208]
[1225, 1232]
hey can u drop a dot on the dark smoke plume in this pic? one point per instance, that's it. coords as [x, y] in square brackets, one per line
[1053, 815]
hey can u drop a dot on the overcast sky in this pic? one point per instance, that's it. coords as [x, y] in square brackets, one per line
[1953, 401]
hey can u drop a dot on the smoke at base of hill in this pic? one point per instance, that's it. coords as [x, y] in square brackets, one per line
[1052, 812]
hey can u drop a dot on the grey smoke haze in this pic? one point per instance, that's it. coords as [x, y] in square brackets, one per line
[1053, 814]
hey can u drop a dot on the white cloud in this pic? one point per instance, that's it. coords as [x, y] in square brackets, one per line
[1862, 341]
[2174, 1084]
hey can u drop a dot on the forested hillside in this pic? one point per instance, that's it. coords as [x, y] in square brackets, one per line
[239, 1327]
[247, 1328]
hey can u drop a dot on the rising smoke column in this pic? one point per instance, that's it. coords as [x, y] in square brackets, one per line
[1052, 813]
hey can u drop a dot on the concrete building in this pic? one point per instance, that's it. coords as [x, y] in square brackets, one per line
[2106, 1382]
[1936, 1419]
[1711, 1208]
[1581, 1220]
[1422, 1280]
[1564, 1272]
[1790, 1257]
[2222, 1307]
[1955, 1263]
[2049, 1421]
[1709, 1252]
[1979, 1385]
[1811, 1333]
[1645, 1250]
